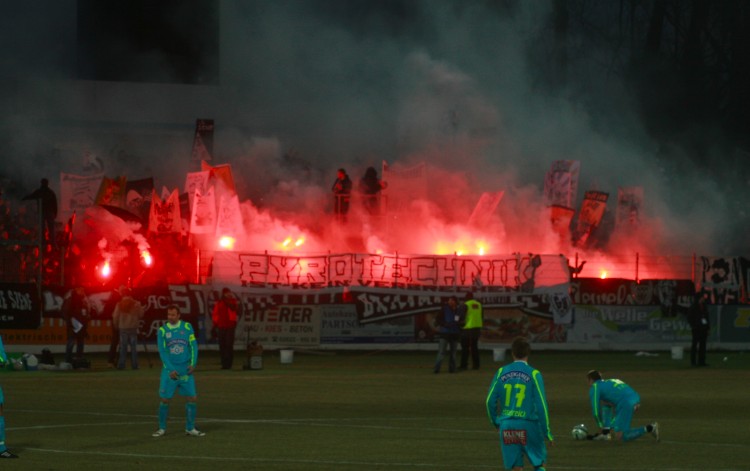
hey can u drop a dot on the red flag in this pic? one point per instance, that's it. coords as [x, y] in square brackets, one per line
[112, 192]
[590, 215]
[223, 173]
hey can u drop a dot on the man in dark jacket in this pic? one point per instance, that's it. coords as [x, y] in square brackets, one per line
[48, 201]
[75, 310]
[342, 190]
[699, 324]
[224, 317]
[450, 320]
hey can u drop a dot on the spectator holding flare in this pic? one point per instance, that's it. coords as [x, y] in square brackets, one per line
[224, 317]
[517, 407]
[178, 351]
[623, 401]
[4, 453]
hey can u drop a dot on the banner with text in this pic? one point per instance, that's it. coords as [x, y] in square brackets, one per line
[529, 273]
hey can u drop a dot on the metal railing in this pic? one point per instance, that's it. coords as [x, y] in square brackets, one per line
[635, 266]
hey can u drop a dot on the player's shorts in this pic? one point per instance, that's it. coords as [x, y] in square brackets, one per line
[184, 385]
[2, 397]
[519, 438]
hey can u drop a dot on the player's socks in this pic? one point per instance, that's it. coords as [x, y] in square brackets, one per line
[190, 411]
[2, 434]
[163, 414]
[653, 429]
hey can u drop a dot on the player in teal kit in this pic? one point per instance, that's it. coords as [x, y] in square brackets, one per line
[517, 407]
[178, 351]
[4, 453]
[613, 404]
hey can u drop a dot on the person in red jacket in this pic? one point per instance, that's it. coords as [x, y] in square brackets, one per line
[224, 317]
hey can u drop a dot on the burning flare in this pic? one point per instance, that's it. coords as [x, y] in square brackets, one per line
[146, 258]
[227, 242]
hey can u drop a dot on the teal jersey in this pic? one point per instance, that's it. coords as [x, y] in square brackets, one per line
[178, 348]
[3, 361]
[518, 389]
[3, 356]
[611, 392]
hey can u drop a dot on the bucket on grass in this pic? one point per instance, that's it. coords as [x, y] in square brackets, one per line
[677, 353]
[498, 354]
[30, 362]
[287, 356]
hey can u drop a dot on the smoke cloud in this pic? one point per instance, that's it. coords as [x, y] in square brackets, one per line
[308, 87]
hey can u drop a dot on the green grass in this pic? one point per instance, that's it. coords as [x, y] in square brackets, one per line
[368, 411]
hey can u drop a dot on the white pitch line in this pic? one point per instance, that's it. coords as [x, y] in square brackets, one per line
[100, 424]
[318, 422]
[264, 460]
[313, 421]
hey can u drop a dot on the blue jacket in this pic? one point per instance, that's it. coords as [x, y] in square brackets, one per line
[450, 320]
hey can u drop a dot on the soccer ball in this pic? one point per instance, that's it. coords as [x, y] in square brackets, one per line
[579, 432]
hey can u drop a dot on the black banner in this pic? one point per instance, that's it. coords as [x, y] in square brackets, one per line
[20, 306]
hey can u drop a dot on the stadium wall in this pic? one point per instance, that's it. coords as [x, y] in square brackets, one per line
[334, 321]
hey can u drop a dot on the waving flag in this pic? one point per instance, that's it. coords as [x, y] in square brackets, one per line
[203, 215]
[112, 192]
[561, 183]
[164, 217]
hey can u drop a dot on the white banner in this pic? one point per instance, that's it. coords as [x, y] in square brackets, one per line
[203, 215]
[77, 192]
[288, 325]
[561, 183]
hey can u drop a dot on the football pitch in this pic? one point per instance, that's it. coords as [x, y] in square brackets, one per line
[369, 410]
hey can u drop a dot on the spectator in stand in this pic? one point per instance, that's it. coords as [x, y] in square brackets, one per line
[127, 316]
[6, 221]
[369, 187]
[48, 201]
[224, 317]
[342, 189]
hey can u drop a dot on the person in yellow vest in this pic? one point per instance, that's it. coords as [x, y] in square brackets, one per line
[470, 332]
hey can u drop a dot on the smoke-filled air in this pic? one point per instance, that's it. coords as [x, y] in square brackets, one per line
[449, 101]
